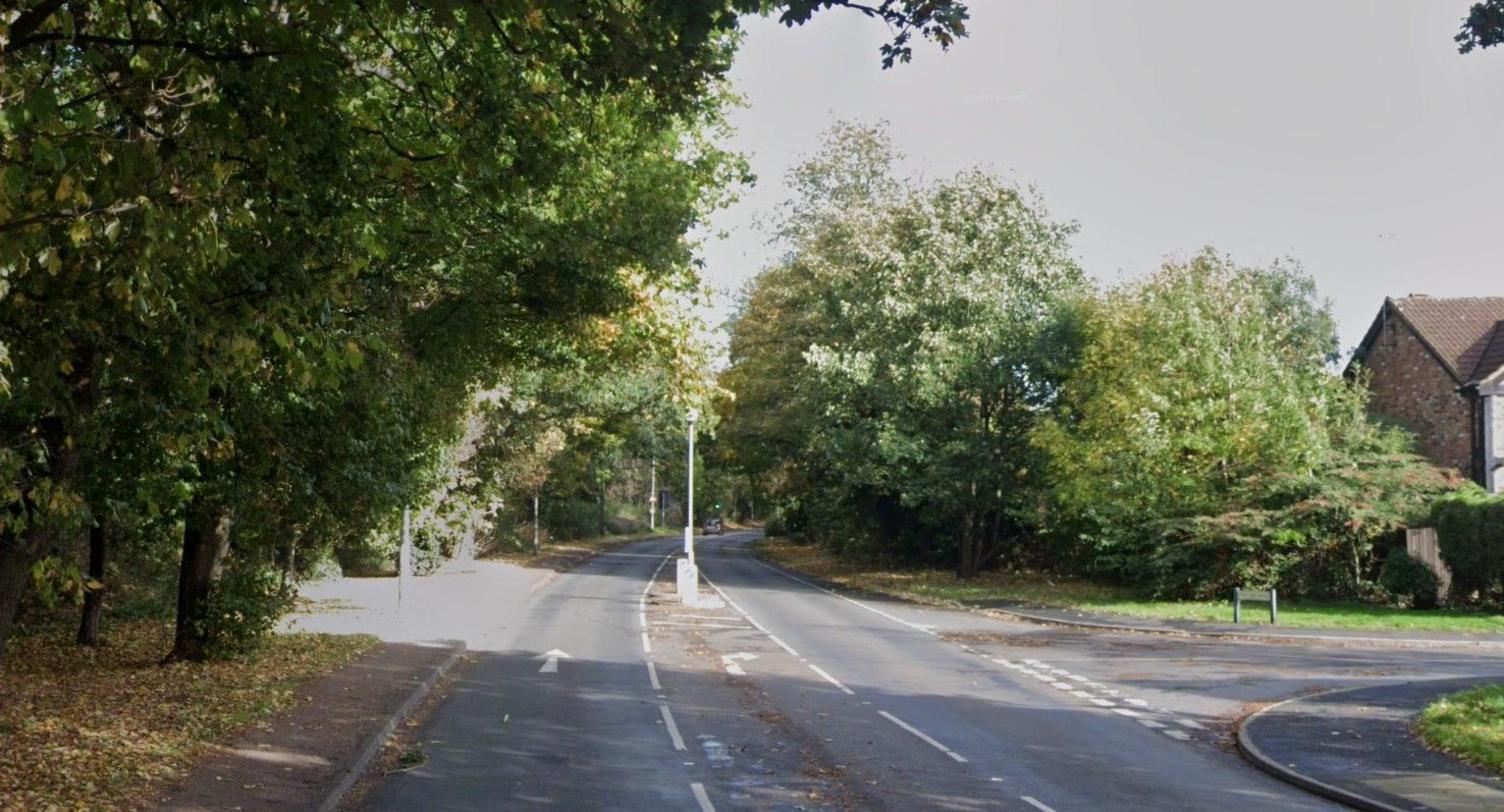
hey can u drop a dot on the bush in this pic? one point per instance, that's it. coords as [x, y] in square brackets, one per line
[1470, 530]
[244, 608]
[1408, 579]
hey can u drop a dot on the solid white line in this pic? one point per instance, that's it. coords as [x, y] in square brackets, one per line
[785, 646]
[673, 729]
[733, 604]
[874, 610]
[647, 645]
[924, 737]
[1037, 805]
[654, 578]
[642, 618]
[699, 791]
[702, 625]
[653, 676]
[832, 680]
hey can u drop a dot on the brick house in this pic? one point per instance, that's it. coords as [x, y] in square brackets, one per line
[1437, 366]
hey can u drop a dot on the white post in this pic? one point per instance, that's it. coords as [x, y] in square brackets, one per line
[653, 494]
[535, 522]
[689, 575]
[405, 554]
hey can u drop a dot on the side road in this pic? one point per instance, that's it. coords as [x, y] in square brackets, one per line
[1356, 746]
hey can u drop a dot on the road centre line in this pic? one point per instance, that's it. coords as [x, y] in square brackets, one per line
[874, 610]
[673, 729]
[924, 737]
[832, 680]
[1037, 805]
[703, 799]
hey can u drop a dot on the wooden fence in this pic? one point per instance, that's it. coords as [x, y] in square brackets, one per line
[1420, 542]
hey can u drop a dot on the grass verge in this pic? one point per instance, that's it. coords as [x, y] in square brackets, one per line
[108, 728]
[1044, 590]
[1469, 725]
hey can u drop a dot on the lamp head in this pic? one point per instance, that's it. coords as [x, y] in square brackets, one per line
[693, 416]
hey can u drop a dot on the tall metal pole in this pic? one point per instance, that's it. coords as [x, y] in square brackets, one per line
[653, 494]
[689, 499]
[405, 554]
[535, 522]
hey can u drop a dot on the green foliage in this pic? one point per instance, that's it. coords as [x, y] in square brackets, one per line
[889, 371]
[244, 608]
[1470, 531]
[1483, 27]
[1409, 580]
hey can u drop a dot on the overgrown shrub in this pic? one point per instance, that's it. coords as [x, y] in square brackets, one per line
[1408, 579]
[1470, 530]
[244, 608]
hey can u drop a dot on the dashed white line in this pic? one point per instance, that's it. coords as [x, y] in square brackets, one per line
[704, 800]
[1126, 712]
[1036, 804]
[673, 729]
[924, 737]
[1178, 735]
[832, 680]
[1190, 723]
[1151, 724]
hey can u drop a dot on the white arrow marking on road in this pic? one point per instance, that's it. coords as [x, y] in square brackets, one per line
[551, 665]
[731, 659]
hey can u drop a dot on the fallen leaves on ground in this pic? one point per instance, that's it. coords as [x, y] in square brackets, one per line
[108, 728]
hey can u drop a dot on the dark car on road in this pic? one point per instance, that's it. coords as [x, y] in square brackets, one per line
[713, 527]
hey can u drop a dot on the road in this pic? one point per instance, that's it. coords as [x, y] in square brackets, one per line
[608, 694]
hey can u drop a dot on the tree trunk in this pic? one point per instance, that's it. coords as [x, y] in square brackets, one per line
[88, 625]
[206, 539]
[290, 566]
[15, 574]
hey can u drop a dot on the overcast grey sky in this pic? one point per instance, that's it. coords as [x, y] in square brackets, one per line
[1349, 136]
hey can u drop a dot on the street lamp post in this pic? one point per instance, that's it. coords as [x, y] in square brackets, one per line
[689, 574]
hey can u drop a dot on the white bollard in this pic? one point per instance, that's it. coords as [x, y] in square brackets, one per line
[688, 582]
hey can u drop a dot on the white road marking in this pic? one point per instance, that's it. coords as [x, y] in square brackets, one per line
[1106, 703]
[703, 625]
[1151, 724]
[673, 729]
[653, 676]
[703, 617]
[1139, 702]
[930, 630]
[1178, 735]
[1037, 805]
[642, 619]
[733, 604]
[1126, 712]
[1190, 723]
[924, 737]
[730, 660]
[551, 664]
[647, 645]
[704, 800]
[1083, 694]
[832, 680]
[1064, 686]
[1078, 678]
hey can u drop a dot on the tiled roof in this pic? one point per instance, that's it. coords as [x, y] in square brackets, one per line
[1465, 332]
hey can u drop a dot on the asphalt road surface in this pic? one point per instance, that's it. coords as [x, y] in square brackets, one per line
[780, 694]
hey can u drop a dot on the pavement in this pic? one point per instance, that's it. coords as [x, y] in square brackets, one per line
[313, 751]
[1356, 746]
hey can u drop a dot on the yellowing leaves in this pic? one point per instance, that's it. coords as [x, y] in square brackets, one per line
[64, 189]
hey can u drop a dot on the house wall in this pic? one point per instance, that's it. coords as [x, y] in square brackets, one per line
[1411, 387]
[1494, 442]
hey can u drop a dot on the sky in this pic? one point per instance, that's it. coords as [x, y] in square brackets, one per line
[1348, 136]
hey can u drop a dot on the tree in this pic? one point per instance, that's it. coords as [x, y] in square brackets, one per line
[925, 331]
[1483, 27]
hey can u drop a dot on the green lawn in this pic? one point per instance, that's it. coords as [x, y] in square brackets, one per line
[1045, 590]
[1469, 725]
